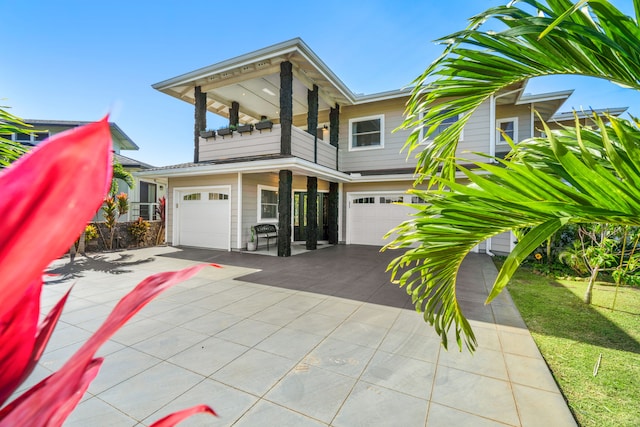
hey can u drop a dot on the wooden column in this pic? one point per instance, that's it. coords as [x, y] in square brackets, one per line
[312, 212]
[312, 119]
[284, 213]
[234, 114]
[334, 130]
[200, 122]
[286, 106]
[332, 220]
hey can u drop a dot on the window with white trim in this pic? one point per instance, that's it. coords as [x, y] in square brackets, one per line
[267, 204]
[366, 133]
[31, 138]
[509, 127]
[443, 126]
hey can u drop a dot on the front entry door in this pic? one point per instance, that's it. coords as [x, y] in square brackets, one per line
[300, 218]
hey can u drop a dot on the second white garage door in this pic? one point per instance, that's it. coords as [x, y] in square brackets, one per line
[203, 218]
[371, 216]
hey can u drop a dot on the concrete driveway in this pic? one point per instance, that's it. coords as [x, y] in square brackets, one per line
[318, 339]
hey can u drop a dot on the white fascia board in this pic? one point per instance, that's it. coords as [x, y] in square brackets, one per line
[543, 97]
[382, 178]
[254, 166]
[383, 96]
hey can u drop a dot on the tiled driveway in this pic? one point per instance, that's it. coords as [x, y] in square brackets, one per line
[319, 339]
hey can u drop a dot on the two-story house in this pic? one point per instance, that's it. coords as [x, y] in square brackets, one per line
[298, 134]
[143, 196]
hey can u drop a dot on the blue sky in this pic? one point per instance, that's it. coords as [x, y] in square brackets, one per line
[78, 60]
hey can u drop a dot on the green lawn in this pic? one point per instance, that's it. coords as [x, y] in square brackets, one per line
[571, 336]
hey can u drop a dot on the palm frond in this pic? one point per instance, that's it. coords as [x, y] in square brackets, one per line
[476, 64]
[574, 175]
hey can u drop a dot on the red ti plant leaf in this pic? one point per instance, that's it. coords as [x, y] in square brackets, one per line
[48, 196]
[18, 334]
[21, 347]
[176, 417]
[51, 399]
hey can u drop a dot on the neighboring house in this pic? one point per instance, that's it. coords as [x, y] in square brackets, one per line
[317, 139]
[143, 197]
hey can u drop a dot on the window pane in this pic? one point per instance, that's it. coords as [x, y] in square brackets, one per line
[508, 128]
[269, 196]
[269, 211]
[192, 196]
[23, 137]
[443, 125]
[366, 133]
[41, 136]
[366, 126]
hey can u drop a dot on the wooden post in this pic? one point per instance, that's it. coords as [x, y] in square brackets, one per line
[332, 220]
[312, 213]
[234, 114]
[286, 107]
[284, 213]
[200, 122]
[334, 131]
[312, 119]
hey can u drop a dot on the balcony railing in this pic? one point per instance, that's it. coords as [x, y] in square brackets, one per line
[146, 211]
[267, 142]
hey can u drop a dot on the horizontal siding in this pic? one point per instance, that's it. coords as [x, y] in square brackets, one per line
[302, 146]
[501, 244]
[388, 157]
[204, 181]
[240, 145]
[475, 136]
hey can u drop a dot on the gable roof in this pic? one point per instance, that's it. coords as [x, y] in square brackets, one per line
[118, 135]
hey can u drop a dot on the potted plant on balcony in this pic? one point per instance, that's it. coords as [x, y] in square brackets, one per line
[209, 133]
[251, 245]
[245, 128]
[226, 131]
[264, 124]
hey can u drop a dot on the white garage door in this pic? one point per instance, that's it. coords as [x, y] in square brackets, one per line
[372, 216]
[204, 218]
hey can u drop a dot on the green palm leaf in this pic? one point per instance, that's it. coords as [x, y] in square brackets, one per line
[548, 182]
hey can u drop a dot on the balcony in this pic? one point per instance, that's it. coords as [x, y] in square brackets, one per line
[238, 145]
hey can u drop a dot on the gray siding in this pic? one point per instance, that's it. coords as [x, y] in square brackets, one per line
[476, 135]
[500, 244]
[240, 145]
[302, 146]
[388, 157]
[204, 181]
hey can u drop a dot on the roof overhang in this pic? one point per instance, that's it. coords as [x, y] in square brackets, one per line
[296, 165]
[253, 80]
[117, 134]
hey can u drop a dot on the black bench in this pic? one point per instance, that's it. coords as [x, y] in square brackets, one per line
[266, 231]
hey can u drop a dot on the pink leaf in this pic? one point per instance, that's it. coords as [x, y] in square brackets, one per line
[17, 338]
[48, 196]
[37, 348]
[50, 402]
[133, 302]
[60, 387]
[173, 419]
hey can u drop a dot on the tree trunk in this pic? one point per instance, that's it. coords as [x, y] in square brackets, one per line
[592, 280]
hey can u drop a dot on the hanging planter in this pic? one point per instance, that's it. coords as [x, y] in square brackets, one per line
[207, 134]
[224, 132]
[264, 124]
[245, 128]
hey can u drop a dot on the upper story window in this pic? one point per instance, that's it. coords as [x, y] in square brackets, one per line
[267, 204]
[508, 127]
[366, 133]
[443, 126]
[27, 138]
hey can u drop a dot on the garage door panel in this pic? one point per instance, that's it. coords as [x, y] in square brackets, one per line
[204, 221]
[372, 217]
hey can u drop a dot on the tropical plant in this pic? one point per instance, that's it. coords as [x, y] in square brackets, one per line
[9, 149]
[139, 229]
[161, 211]
[572, 175]
[120, 173]
[30, 199]
[112, 209]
